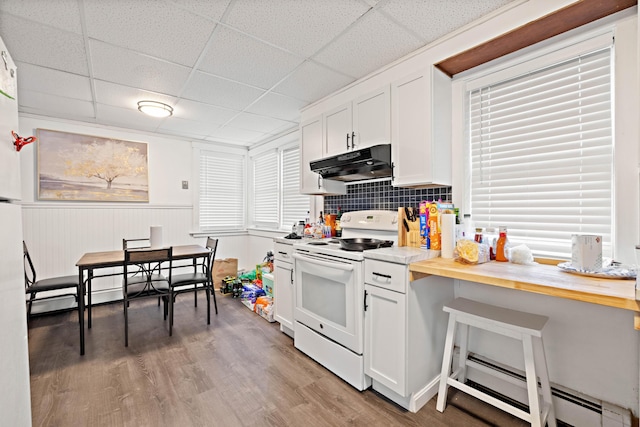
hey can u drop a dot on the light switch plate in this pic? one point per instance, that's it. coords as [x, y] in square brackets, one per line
[185, 185]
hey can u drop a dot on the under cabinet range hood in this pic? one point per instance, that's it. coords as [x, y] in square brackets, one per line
[367, 163]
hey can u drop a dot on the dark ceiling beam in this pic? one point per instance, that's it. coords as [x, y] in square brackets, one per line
[558, 22]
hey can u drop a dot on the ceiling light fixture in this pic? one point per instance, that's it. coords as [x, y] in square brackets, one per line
[155, 109]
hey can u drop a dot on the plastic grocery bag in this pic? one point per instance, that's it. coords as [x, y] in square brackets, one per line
[223, 268]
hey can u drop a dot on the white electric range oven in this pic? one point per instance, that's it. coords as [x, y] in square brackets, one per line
[329, 297]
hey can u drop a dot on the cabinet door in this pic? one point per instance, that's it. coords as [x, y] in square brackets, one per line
[9, 157]
[372, 118]
[311, 149]
[283, 294]
[385, 350]
[337, 130]
[420, 133]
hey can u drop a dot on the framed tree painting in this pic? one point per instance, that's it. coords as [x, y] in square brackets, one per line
[79, 167]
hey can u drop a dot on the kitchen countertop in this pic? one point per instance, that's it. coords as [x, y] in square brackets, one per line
[286, 241]
[538, 278]
[401, 254]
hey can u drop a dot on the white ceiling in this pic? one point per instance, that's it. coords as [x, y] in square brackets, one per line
[235, 71]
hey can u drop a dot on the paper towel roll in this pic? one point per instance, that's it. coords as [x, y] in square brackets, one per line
[448, 234]
[155, 236]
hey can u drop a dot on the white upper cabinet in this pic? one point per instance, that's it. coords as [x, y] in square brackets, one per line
[358, 124]
[421, 130]
[338, 130]
[311, 138]
[372, 119]
[10, 188]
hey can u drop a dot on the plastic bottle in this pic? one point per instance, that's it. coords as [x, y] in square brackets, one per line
[501, 245]
[478, 236]
[490, 237]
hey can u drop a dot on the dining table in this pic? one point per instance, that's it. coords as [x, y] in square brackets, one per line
[92, 261]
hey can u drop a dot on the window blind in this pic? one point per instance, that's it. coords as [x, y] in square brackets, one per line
[222, 191]
[541, 154]
[265, 189]
[294, 205]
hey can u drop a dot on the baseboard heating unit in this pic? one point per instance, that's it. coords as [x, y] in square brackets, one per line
[572, 408]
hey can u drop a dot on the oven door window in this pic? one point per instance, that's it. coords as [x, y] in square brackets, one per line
[328, 298]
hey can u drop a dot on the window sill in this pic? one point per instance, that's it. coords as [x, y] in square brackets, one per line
[218, 233]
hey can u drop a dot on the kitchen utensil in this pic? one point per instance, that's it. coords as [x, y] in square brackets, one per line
[406, 225]
[360, 244]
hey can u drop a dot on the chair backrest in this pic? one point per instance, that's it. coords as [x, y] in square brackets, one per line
[212, 245]
[29, 269]
[135, 243]
[145, 257]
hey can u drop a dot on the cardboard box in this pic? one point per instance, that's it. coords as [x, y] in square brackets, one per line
[586, 252]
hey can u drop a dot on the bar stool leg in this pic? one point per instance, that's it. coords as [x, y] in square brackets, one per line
[543, 373]
[446, 363]
[463, 334]
[532, 381]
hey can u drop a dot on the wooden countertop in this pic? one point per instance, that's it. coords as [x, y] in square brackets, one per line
[539, 278]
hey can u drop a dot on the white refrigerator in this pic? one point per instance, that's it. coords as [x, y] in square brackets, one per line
[15, 395]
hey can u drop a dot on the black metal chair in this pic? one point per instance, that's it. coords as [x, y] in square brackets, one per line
[198, 279]
[144, 243]
[33, 286]
[143, 278]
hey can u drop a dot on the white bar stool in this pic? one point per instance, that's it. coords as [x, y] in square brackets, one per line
[525, 327]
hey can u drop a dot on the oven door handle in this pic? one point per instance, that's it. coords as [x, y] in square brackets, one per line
[316, 261]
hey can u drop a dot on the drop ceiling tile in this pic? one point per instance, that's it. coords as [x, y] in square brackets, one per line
[168, 32]
[121, 96]
[311, 82]
[443, 16]
[179, 126]
[117, 65]
[221, 92]
[68, 85]
[259, 123]
[247, 60]
[43, 45]
[127, 118]
[301, 27]
[192, 110]
[54, 106]
[371, 43]
[278, 106]
[61, 14]
[233, 134]
[213, 9]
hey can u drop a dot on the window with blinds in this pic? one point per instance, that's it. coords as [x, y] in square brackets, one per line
[294, 205]
[222, 191]
[541, 149]
[265, 189]
[276, 189]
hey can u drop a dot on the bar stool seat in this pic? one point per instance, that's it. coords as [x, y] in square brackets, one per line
[526, 327]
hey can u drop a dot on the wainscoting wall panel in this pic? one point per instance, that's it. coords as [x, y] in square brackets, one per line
[57, 235]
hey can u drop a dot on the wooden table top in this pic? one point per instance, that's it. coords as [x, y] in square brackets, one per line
[538, 278]
[116, 258]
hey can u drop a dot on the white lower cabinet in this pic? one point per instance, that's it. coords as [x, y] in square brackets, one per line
[384, 337]
[404, 334]
[283, 289]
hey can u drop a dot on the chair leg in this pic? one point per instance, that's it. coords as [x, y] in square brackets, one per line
[126, 323]
[195, 295]
[213, 293]
[207, 293]
[172, 298]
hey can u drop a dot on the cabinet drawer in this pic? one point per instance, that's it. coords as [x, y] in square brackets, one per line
[386, 275]
[283, 252]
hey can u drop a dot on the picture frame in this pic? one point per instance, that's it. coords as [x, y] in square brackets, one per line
[77, 167]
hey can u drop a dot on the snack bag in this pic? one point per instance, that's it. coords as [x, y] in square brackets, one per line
[433, 226]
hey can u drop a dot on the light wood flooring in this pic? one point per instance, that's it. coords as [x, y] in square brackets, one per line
[238, 371]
